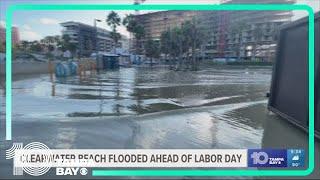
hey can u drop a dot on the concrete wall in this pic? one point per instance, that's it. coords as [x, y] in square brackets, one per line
[39, 67]
[26, 68]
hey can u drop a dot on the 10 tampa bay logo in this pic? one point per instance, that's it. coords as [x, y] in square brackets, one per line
[33, 171]
[267, 158]
[40, 170]
[275, 158]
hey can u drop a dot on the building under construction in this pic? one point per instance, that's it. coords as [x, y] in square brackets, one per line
[229, 34]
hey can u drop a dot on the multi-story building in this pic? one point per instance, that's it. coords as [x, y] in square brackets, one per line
[89, 39]
[243, 33]
[105, 42]
[124, 43]
[2, 34]
[222, 28]
[156, 22]
[15, 35]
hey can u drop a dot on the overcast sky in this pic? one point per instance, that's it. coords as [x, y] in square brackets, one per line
[34, 25]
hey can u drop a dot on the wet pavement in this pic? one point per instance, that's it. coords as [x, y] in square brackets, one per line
[216, 107]
[136, 91]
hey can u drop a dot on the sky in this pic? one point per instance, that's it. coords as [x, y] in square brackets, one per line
[34, 25]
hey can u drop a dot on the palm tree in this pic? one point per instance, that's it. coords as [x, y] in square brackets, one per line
[173, 43]
[24, 45]
[46, 40]
[113, 20]
[129, 22]
[152, 50]
[168, 42]
[193, 39]
[274, 35]
[36, 47]
[165, 43]
[50, 39]
[177, 45]
[134, 27]
[237, 29]
[257, 34]
[66, 44]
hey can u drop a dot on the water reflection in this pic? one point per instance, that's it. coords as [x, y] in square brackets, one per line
[140, 91]
[221, 107]
[203, 107]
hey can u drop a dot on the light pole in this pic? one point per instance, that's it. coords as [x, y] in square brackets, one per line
[96, 34]
[99, 80]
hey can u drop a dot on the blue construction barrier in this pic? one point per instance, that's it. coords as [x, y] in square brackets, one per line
[64, 69]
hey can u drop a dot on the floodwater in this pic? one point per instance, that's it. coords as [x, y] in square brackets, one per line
[216, 107]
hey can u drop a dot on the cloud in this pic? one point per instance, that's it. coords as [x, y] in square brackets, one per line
[29, 35]
[3, 24]
[49, 21]
[26, 27]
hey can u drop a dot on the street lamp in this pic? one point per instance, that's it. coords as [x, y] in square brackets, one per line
[100, 90]
[96, 33]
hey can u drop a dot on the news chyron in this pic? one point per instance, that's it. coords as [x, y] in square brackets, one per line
[37, 159]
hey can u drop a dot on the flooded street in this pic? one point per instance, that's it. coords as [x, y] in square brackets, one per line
[157, 108]
[216, 107]
[131, 91]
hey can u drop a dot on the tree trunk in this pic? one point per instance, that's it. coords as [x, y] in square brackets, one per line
[165, 59]
[179, 62]
[180, 58]
[254, 52]
[193, 58]
[240, 45]
[171, 62]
